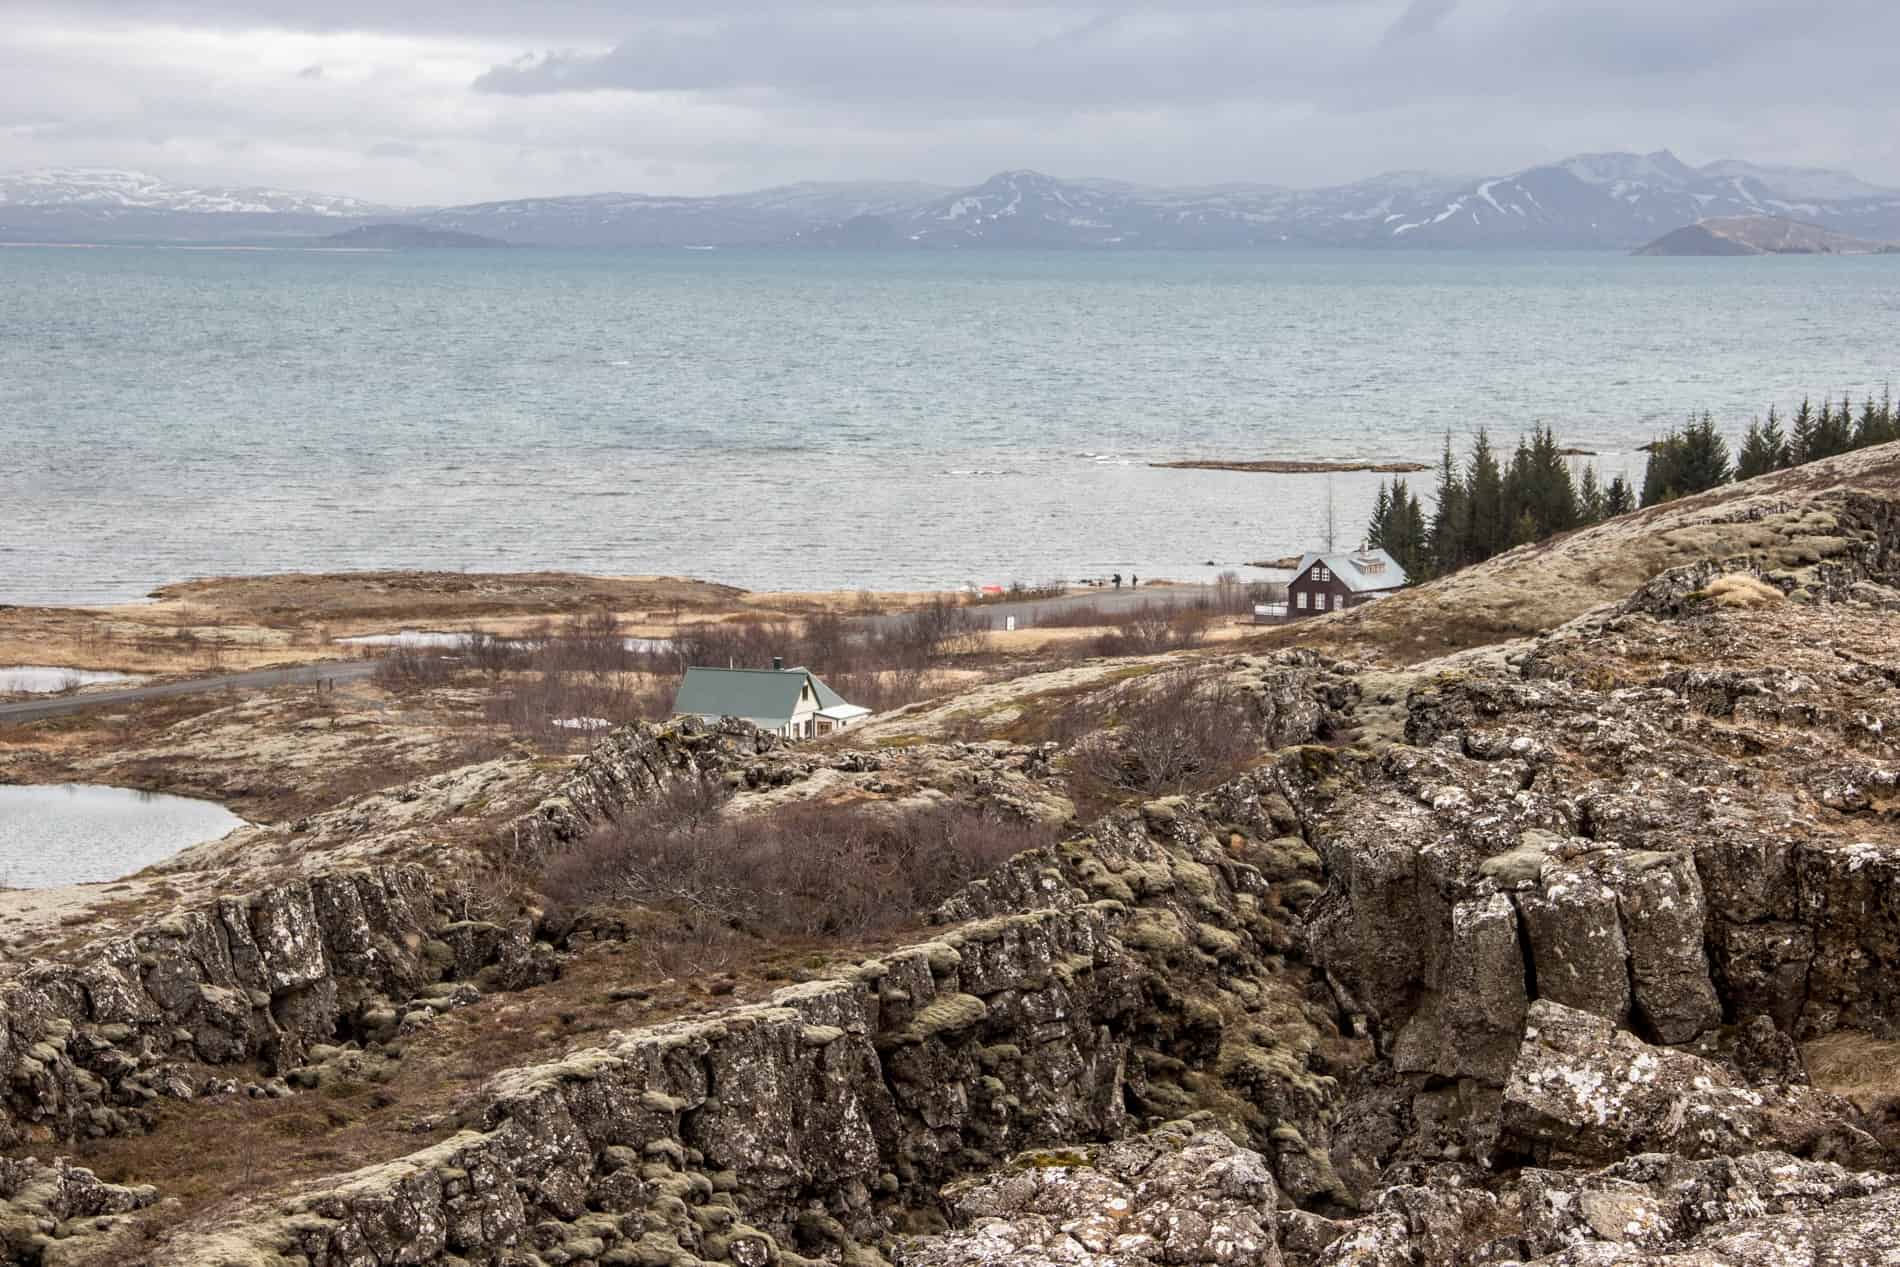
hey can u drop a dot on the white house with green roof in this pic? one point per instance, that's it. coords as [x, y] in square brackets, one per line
[794, 703]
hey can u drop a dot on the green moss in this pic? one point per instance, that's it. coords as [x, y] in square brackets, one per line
[1218, 941]
[948, 1014]
[1147, 879]
[1155, 931]
[1053, 1159]
[994, 1058]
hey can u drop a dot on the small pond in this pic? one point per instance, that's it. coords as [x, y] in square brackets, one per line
[40, 679]
[436, 640]
[408, 638]
[78, 833]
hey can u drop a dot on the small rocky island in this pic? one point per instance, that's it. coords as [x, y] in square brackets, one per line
[408, 237]
[1760, 235]
[1283, 466]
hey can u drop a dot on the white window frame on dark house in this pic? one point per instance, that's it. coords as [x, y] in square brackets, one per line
[1320, 573]
[1302, 600]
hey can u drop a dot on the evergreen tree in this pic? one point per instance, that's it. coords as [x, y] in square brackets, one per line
[1801, 435]
[1524, 531]
[1617, 498]
[1486, 527]
[1518, 488]
[1703, 462]
[1402, 531]
[1834, 433]
[1418, 561]
[1757, 456]
[1774, 441]
[1659, 476]
[1590, 505]
[1872, 427]
[1446, 537]
[1550, 495]
[1379, 526]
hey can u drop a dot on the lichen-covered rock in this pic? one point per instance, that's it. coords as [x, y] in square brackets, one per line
[55, 1213]
[259, 976]
[1653, 1201]
[1584, 1092]
[1167, 1197]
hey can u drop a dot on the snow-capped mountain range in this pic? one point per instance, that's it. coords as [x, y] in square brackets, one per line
[105, 189]
[1588, 201]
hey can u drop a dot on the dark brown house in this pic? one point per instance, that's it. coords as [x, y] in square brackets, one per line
[1334, 582]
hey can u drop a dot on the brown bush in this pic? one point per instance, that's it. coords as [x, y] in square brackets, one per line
[532, 705]
[1153, 630]
[413, 666]
[933, 632]
[803, 870]
[1185, 732]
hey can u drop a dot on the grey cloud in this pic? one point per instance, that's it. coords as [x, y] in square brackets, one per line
[705, 95]
[984, 58]
[1420, 18]
[1003, 61]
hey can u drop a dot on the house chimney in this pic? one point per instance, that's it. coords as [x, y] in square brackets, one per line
[778, 662]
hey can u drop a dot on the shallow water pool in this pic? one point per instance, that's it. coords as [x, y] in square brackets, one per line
[78, 833]
[432, 639]
[42, 679]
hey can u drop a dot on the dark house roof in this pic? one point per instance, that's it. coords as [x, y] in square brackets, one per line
[1361, 571]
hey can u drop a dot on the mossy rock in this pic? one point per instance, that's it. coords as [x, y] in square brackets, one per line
[1053, 1159]
[1155, 931]
[945, 1015]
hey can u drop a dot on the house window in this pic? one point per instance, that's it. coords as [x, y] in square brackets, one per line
[1338, 602]
[1320, 573]
[1302, 600]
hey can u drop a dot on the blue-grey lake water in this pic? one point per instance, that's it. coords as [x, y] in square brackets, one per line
[79, 833]
[783, 419]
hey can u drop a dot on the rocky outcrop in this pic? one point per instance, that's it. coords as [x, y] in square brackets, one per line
[947, 1055]
[89, 1040]
[1084, 988]
[1583, 1092]
[85, 1045]
[1170, 1196]
[60, 1215]
[1528, 985]
[628, 767]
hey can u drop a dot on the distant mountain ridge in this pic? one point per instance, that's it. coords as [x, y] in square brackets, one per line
[1600, 201]
[108, 189]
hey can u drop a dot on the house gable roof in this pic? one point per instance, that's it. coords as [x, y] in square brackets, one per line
[765, 697]
[1361, 571]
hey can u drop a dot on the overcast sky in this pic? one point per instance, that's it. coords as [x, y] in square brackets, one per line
[436, 101]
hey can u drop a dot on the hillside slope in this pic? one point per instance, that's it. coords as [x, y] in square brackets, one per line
[1785, 522]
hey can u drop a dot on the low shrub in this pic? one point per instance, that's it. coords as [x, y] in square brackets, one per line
[1185, 732]
[808, 870]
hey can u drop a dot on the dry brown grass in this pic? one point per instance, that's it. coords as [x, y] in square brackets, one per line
[1738, 589]
[301, 598]
[1858, 1066]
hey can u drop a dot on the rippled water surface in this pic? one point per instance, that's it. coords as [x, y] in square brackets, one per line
[782, 419]
[77, 833]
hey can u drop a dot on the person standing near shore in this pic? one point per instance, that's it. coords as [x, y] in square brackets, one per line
[1117, 578]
